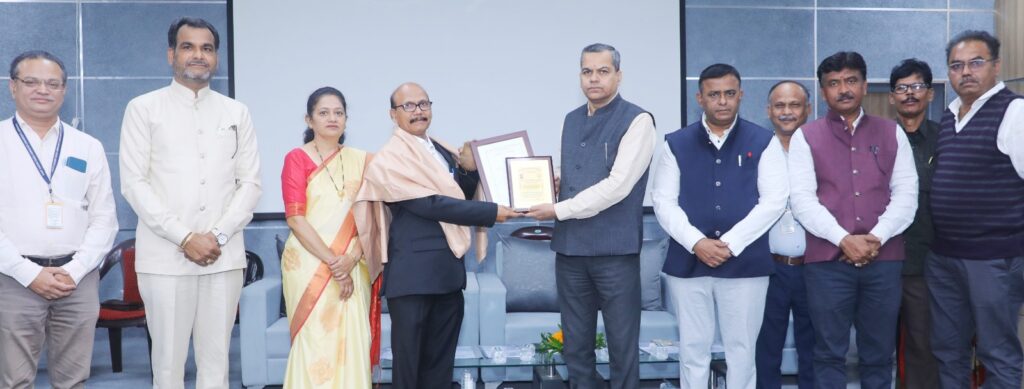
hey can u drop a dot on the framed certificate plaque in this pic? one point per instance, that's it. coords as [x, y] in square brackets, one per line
[530, 182]
[490, 155]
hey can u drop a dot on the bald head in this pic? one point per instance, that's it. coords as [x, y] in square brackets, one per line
[417, 120]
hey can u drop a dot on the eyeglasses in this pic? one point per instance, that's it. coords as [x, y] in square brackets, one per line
[32, 83]
[974, 64]
[915, 87]
[410, 107]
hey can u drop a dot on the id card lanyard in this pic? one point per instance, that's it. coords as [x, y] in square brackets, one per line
[54, 210]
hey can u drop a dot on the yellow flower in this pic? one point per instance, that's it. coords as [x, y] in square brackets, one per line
[557, 336]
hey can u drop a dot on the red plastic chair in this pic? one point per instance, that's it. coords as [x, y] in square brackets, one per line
[125, 312]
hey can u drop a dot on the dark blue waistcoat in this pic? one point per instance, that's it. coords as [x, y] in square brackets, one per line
[717, 189]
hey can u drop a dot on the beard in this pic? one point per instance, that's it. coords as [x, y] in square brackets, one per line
[202, 76]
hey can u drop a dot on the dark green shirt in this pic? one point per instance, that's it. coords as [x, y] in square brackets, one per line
[921, 233]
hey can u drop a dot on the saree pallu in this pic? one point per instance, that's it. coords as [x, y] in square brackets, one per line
[330, 337]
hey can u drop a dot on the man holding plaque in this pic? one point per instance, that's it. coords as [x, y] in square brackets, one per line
[719, 185]
[413, 216]
[606, 149]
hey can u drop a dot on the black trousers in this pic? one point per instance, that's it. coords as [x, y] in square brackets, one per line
[976, 297]
[424, 334]
[610, 284]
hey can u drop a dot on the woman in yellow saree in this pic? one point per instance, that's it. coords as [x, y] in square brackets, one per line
[327, 289]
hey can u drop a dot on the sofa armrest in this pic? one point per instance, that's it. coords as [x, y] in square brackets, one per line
[666, 296]
[259, 307]
[492, 309]
[470, 334]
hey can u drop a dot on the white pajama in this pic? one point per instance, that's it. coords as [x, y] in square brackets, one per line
[200, 307]
[736, 307]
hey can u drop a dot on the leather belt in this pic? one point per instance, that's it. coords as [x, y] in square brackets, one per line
[55, 261]
[787, 260]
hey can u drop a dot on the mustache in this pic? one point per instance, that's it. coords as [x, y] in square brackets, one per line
[197, 62]
[418, 119]
[786, 118]
[911, 99]
[845, 96]
[965, 80]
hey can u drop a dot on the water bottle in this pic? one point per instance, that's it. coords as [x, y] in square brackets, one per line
[468, 382]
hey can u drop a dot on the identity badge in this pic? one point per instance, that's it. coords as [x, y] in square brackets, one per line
[54, 215]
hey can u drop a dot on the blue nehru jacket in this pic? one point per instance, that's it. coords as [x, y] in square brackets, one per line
[717, 189]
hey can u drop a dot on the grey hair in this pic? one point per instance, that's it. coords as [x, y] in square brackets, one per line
[600, 48]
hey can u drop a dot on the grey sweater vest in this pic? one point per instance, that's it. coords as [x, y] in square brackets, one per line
[590, 145]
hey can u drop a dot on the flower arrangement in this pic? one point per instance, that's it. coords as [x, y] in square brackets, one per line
[551, 343]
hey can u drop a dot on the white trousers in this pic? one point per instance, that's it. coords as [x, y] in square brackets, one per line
[199, 307]
[734, 306]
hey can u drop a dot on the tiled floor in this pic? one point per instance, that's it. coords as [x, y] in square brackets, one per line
[136, 373]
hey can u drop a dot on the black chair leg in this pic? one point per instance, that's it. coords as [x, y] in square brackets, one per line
[115, 348]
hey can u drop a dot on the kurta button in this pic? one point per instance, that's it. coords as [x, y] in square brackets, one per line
[577, 167]
[718, 207]
[854, 171]
[856, 194]
[718, 183]
[202, 182]
[718, 233]
[718, 161]
[202, 207]
[858, 218]
[583, 144]
[853, 148]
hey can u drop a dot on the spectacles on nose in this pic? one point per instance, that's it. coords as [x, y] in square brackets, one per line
[974, 64]
[410, 106]
[33, 83]
[915, 87]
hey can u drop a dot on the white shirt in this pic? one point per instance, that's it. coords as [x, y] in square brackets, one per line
[817, 220]
[88, 209]
[188, 164]
[1010, 136]
[432, 150]
[718, 141]
[635, 151]
[772, 188]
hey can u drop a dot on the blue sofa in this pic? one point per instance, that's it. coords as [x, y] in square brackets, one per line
[264, 333]
[518, 303]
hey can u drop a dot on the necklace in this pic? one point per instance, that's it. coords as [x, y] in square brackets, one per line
[329, 174]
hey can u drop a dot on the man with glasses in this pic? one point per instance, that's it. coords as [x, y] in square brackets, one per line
[910, 85]
[974, 269]
[425, 187]
[57, 222]
[606, 150]
[190, 170]
[854, 189]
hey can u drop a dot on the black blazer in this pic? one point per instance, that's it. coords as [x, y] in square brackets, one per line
[419, 259]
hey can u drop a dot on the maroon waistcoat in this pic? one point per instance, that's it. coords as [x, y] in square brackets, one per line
[853, 175]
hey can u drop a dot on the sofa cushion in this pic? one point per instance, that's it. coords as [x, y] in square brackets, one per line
[652, 257]
[527, 268]
[278, 339]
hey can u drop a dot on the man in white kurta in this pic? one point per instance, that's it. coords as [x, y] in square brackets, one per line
[190, 170]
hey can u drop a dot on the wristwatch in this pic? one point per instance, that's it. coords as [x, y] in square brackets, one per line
[222, 238]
